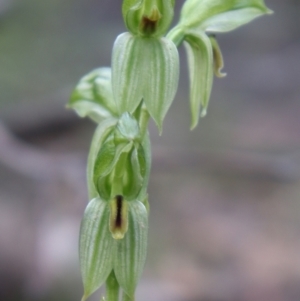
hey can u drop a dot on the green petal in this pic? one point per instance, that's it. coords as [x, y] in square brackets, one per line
[96, 246]
[93, 96]
[146, 145]
[131, 251]
[128, 128]
[231, 20]
[103, 130]
[127, 71]
[134, 173]
[132, 10]
[161, 66]
[148, 69]
[195, 13]
[218, 57]
[200, 62]
[108, 159]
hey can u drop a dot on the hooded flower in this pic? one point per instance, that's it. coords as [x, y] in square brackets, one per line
[199, 20]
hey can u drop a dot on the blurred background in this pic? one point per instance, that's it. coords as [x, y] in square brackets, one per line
[225, 198]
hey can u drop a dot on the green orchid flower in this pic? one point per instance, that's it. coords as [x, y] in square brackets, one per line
[199, 20]
[142, 83]
[144, 70]
[113, 239]
[113, 235]
[120, 165]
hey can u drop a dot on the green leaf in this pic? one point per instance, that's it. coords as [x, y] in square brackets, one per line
[96, 246]
[93, 96]
[145, 68]
[220, 15]
[131, 251]
[200, 62]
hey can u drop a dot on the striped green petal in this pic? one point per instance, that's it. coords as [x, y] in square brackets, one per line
[102, 132]
[127, 72]
[96, 246]
[147, 165]
[200, 63]
[160, 78]
[231, 20]
[220, 15]
[145, 68]
[110, 163]
[131, 251]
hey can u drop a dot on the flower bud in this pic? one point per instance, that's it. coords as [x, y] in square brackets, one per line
[148, 17]
[93, 96]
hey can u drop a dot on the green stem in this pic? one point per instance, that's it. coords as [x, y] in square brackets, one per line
[127, 298]
[176, 35]
[143, 120]
[112, 288]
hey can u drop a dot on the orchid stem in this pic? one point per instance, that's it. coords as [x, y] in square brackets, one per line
[112, 288]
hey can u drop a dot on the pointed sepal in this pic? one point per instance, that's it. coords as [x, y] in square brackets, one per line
[131, 250]
[103, 130]
[96, 246]
[220, 15]
[200, 63]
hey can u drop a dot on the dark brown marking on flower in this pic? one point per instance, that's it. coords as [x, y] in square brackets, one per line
[118, 221]
[148, 25]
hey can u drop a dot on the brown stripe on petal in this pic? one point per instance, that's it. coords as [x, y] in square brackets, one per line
[118, 221]
[119, 201]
